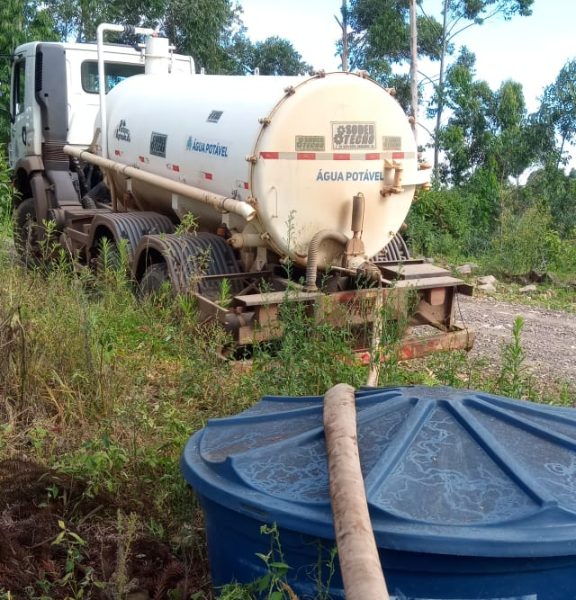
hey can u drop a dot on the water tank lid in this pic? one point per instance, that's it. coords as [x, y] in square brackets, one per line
[447, 471]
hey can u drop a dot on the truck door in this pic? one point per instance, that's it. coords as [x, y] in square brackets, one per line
[21, 110]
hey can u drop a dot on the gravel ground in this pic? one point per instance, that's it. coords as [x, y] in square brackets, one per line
[548, 336]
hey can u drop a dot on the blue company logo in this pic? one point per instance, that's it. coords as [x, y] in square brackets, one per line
[194, 145]
[349, 175]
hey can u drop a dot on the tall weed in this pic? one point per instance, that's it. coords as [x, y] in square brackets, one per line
[514, 380]
[310, 358]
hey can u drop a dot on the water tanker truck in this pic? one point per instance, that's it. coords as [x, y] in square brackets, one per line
[273, 189]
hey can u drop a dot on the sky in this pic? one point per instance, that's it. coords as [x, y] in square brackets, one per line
[530, 50]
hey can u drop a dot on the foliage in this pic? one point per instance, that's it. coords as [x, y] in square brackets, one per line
[525, 243]
[272, 585]
[108, 389]
[486, 129]
[556, 190]
[557, 114]
[202, 32]
[209, 30]
[276, 56]
[439, 224]
[314, 356]
[456, 222]
[273, 56]
[381, 35]
[380, 39]
[20, 21]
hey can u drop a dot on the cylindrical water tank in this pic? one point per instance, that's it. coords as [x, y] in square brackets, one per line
[472, 496]
[298, 148]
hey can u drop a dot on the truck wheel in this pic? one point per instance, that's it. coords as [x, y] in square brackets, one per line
[26, 232]
[155, 280]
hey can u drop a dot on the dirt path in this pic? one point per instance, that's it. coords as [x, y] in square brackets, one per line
[548, 336]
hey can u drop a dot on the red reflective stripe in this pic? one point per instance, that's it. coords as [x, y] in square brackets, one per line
[246, 185]
[176, 168]
[207, 175]
[336, 155]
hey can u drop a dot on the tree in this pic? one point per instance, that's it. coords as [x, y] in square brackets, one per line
[201, 28]
[343, 23]
[78, 19]
[276, 56]
[487, 130]
[556, 190]
[457, 16]
[557, 115]
[20, 21]
[380, 39]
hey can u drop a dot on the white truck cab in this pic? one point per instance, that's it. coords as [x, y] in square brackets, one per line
[55, 91]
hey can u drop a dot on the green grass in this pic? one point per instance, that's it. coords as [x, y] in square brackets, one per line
[106, 389]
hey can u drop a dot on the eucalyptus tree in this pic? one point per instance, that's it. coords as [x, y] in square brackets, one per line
[557, 114]
[456, 17]
[487, 129]
[380, 38]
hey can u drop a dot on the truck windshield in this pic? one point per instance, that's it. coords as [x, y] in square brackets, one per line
[115, 73]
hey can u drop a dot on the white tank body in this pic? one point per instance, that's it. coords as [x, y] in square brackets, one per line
[300, 156]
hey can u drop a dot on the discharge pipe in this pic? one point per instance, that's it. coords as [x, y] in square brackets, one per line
[313, 248]
[357, 552]
[216, 201]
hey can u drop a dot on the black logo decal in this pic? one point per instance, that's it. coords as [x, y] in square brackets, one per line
[122, 132]
[158, 144]
[214, 116]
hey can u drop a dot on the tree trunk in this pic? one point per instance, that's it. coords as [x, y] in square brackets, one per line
[414, 67]
[440, 88]
[344, 26]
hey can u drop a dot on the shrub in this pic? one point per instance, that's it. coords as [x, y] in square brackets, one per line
[525, 243]
[439, 224]
[456, 222]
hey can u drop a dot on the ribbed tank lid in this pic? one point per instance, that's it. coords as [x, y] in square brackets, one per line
[447, 471]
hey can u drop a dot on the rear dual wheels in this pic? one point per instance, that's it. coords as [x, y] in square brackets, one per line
[155, 280]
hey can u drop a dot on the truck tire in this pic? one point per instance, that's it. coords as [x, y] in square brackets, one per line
[26, 232]
[155, 280]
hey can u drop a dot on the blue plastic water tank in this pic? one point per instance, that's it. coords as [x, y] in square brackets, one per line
[472, 496]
